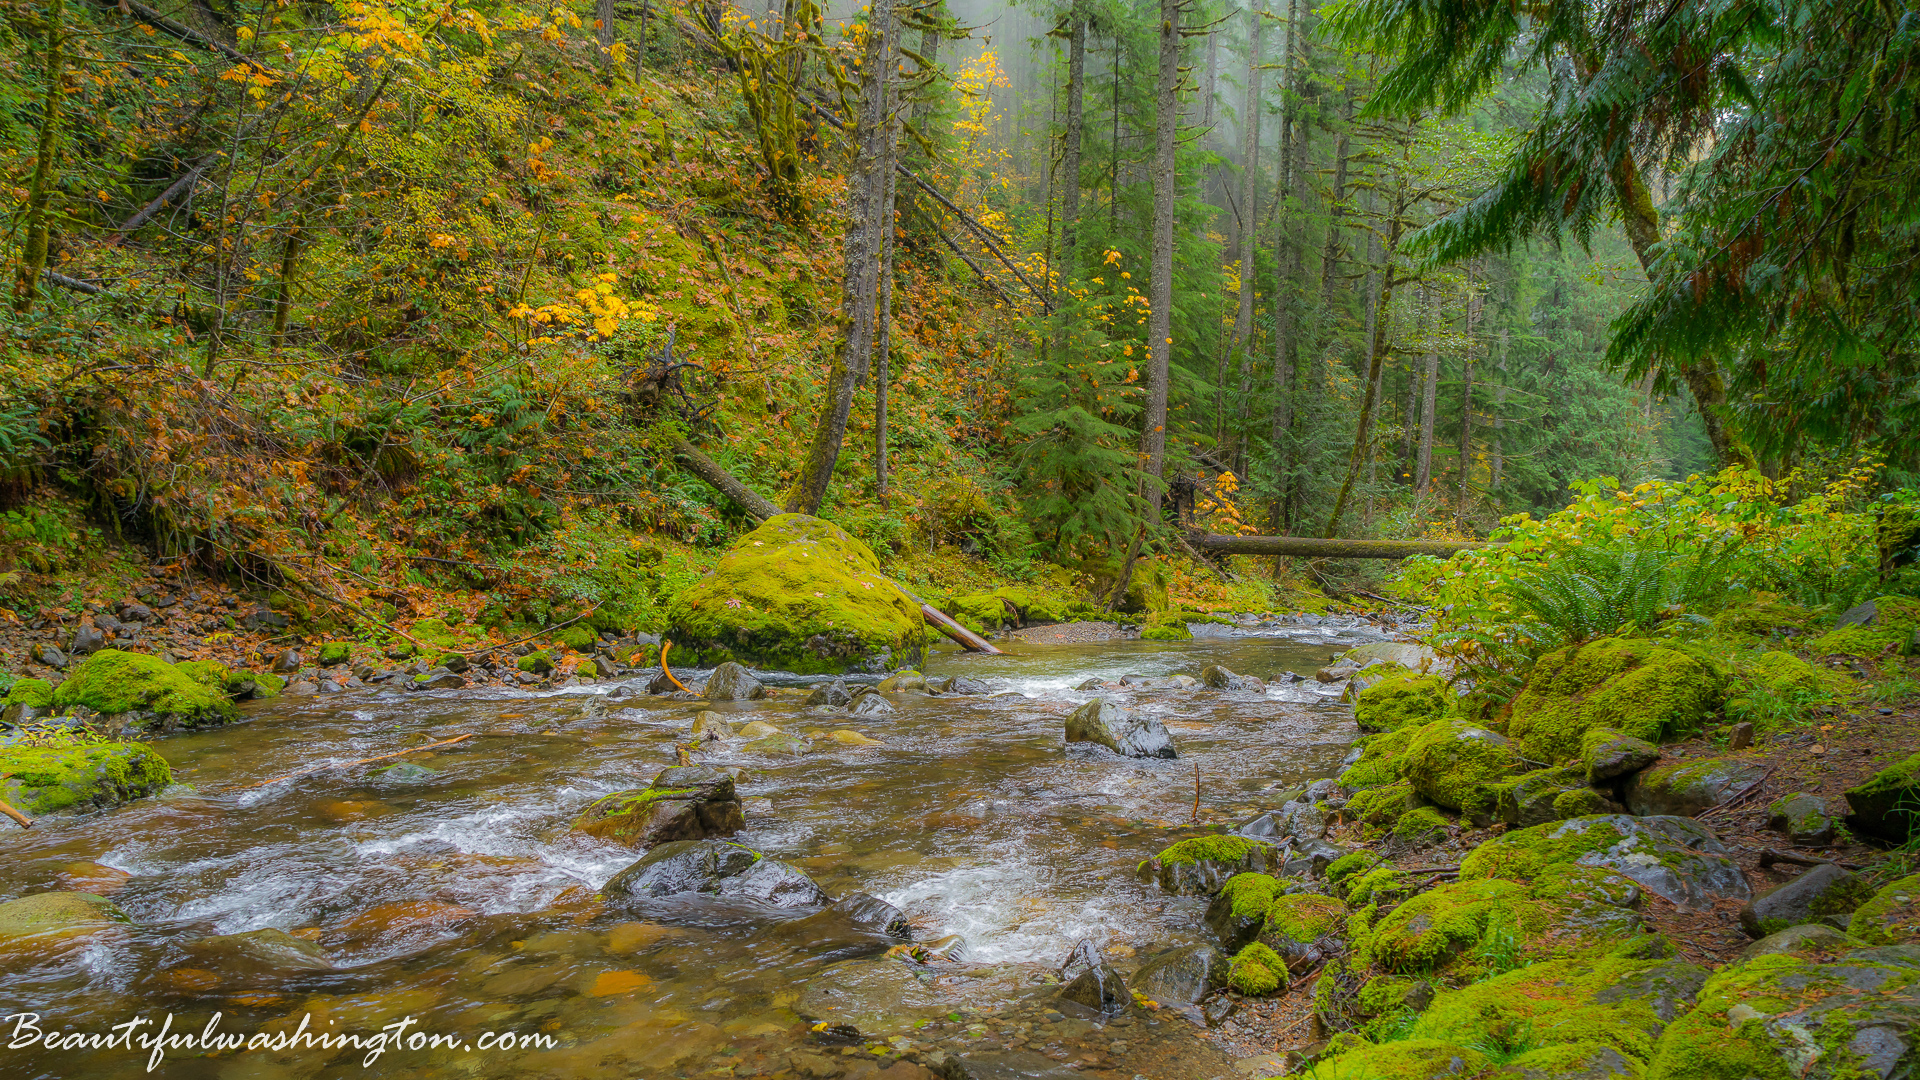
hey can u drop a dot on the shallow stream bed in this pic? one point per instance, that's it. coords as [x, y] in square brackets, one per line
[452, 891]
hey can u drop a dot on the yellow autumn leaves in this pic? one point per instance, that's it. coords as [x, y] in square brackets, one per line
[594, 313]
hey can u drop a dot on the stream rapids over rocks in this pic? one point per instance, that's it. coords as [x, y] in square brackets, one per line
[448, 886]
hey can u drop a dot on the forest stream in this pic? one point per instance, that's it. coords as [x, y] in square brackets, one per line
[447, 885]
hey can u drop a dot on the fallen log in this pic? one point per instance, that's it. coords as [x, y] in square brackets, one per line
[1315, 548]
[954, 630]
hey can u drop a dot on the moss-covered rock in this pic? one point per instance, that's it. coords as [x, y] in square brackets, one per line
[1380, 760]
[982, 613]
[1646, 690]
[1534, 799]
[33, 693]
[1764, 616]
[84, 776]
[1382, 806]
[1674, 858]
[1421, 825]
[1892, 916]
[1881, 625]
[694, 802]
[1685, 789]
[50, 917]
[1804, 818]
[1858, 641]
[1784, 1016]
[435, 632]
[1303, 928]
[1399, 700]
[151, 693]
[334, 653]
[538, 662]
[1459, 766]
[1782, 674]
[579, 637]
[1173, 631]
[1483, 926]
[1257, 972]
[1606, 754]
[1402, 1059]
[1202, 865]
[265, 684]
[1887, 805]
[799, 594]
[1237, 915]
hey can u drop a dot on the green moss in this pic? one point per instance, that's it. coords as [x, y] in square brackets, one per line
[1399, 700]
[1892, 917]
[1177, 632]
[1458, 765]
[435, 632]
[1384, 994]
[334, 653]
[1764, 617]
[1784, 673]
[1420, 825]
[539, 662]
[1861, 641]
[577, 637]
[114, 682]
[799, 594]
[33, 693]
[1433, 929]
[1403, 1059]
[1380, 760]
[1378, 884]
[1580, 802]
[208, 673]
[1525, 853]
[1647, 690]
[1612, 1002]
[1302, 919]
[1354, 862]
[1382, 805]
[267, 684]
[51, 779]
[1223, 848]
[1250, 895]
[1257, 971]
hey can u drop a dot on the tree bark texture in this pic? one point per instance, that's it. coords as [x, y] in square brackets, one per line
[1075, 135]
[33, 256]
[1429, 401]
[1376, 350]
[603, 23]
[1466, 399]
[1249, 161]
[883, 344]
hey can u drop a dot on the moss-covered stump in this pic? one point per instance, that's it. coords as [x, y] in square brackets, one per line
[688, 802]
[1688, 788]
[71, 779]
[1202, 865]
[1399, 700]
[1673, 858]
[145, 692]
[1460, 766]
[1892, 916]
[799, 594]
[1888, 804]
[50, 918]
[1646, 690]
[1789, 1016]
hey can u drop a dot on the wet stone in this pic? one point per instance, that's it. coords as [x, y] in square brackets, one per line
[1103, 723]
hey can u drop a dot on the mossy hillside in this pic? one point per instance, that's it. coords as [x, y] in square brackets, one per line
[43, 780]
[1257, 971]
[982, 613]
[1892, 916]
[1645, 689]
[800, 595]
[33, 693]
[1380, 760]
[114, 682]
[1458, 765]
[1400, 700]
[1784, 1017]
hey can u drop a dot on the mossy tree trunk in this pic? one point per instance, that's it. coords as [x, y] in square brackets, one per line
[33, 257]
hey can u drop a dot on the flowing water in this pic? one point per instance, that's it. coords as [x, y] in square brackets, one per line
[451, 890]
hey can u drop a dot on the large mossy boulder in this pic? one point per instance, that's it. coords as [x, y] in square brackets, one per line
[1202, 865]
[1800, 1014]
[146, 691]
[1401, 699]
[1460, 766]
[41, 780]
[799, 594]
[1879, 626]
[1688, 788]
[1887, 805]
[1477, 927]
[1673, 857]
[1380, 761]
[1631, 685]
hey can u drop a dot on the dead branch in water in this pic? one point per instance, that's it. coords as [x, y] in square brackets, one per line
[667, 671]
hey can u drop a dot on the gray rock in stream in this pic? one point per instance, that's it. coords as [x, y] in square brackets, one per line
[731, 682]
[1101, 721]
[265, 950]
[716, 868]
[1182, 976]
[832, 695]
[1092, 982]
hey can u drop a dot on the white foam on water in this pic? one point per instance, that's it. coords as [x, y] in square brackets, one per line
[1006, 912]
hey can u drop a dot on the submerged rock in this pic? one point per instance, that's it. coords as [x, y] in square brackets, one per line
[696, 802]
[717, 868]
[879, 998]
[1101, 721]
[56, 916]
[870, 705]
[1182, 976]
[731, 682]
[266, 950]
[799, 594]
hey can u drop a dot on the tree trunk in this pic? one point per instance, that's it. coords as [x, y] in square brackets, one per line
[1286, 311]
[1315, 548]
[1497, 464]
[1376, 347]
[1429, 400]
[867, 218]
[33, 255]
[640, 44]
[1070, 151]
[884, 336]
[1166, 130]
[757, 506]
[1336, 209]
[1249, 159]
[603, 23]
[1466, 400]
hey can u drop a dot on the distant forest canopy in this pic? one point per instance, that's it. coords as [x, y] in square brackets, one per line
[1036, 278]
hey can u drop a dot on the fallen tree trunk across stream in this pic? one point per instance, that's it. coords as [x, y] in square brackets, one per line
[1315, 548]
